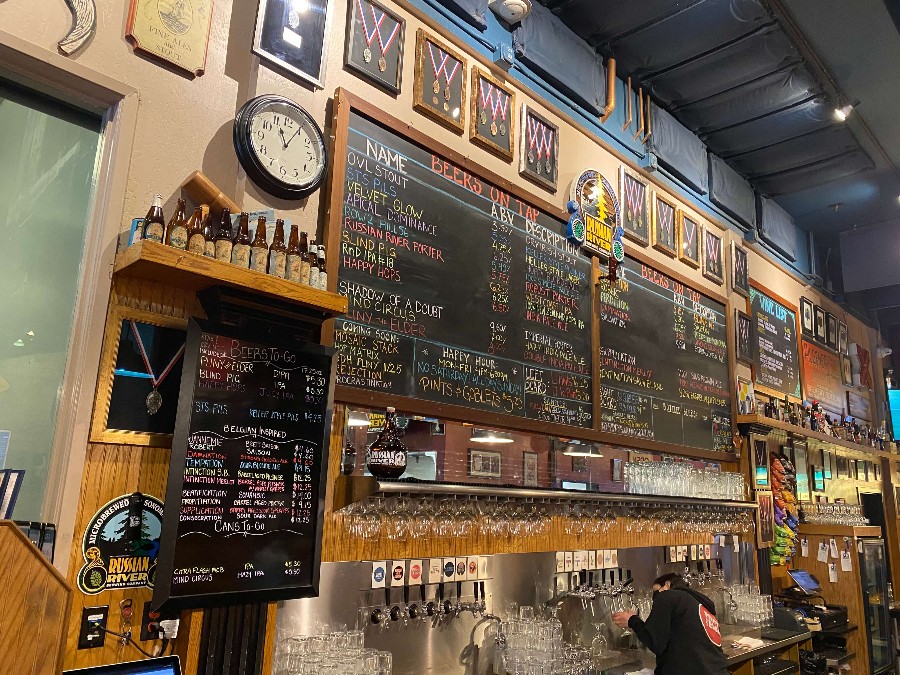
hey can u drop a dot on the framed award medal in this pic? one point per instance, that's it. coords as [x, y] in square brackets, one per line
[493, 114]
[440, 82]
[375, 43]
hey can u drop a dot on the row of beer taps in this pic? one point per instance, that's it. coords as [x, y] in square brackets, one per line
[595, 584]
[437, 610]
[701, 577]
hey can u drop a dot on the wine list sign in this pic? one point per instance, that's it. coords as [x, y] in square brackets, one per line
[244, 502]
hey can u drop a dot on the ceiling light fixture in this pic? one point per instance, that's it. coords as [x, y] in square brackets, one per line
[579, 449]
[490, 436]
[842, 112]
[357, 419]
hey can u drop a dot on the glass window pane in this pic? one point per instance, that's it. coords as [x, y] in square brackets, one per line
[48, 153]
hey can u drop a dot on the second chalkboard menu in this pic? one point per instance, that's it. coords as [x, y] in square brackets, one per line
[459, 292]
[245, 495]
[774, 341]
[664, 361]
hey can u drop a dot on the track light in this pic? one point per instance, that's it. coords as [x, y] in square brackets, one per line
[490, 436]
[842, 112]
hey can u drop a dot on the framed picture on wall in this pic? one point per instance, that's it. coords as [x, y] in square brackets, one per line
[712, 257]
[831, 330]
[760, 463]
[765, 531]
[846, 371]
[689, 233]
[439, 87]
[740, 270]
[820, 324]
[493, 123]
[743, 344]
[538, 148]
[635, 195]
[746, 397]
[807, 322]
[818, 478]
[842, 337]
[139, 378]
[176, 32]
[293, 40]
[615, 470]
[485, 463]
[842, 467]
[664, 221]
[852, 469]
[375, 43]
[827, 464]
[529, 469]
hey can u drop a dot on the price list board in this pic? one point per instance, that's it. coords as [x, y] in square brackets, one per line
[663, 361]
[459, 292]
[245, 496]
[776, 353]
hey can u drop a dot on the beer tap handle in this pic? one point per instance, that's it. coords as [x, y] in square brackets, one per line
[483, 595]
[708, 565]
[582, 577]
[475, 589]
[458, 592]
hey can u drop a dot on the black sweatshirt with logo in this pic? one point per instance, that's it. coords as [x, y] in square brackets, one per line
[683, 632]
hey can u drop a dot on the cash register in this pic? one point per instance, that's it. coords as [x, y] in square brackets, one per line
[800, 599]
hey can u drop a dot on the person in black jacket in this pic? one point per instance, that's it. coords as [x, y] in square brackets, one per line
[682, 630]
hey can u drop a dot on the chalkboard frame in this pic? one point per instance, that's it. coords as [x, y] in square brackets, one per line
[175, 483]
[345, 103]
[763, 389]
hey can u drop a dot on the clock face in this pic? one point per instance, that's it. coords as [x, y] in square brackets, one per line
[280, 146]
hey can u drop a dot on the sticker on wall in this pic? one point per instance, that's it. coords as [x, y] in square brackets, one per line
[636, 201]
[439, 90]
[598, 210]
[176, 31]
[538, 148]
[375, 43]
[664, 219]
[493, 114]
[120, 545]
[712, 257]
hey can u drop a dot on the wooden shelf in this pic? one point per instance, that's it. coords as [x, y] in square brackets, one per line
[840, 530]
[167, 265]
[768, 422]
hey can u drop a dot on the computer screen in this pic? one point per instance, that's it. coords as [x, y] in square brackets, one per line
[894, 404]
[167, 665]
[806, 581]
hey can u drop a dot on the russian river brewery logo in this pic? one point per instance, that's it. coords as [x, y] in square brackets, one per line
[598, 211]
[120, 547]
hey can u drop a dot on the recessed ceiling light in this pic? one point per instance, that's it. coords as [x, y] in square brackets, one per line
[18, 343]
[842, 112]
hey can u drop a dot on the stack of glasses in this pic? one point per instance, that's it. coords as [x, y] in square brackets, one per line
[748, 606]
[535, 647]
[334, 653]
[681, 479]
[834, 514]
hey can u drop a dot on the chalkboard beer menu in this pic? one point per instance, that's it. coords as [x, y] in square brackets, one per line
[775, 350]
[663, 361]
[458, 291]
[243, 513]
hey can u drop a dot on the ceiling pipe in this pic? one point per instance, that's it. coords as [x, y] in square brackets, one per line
[647, 135]
[640, 113]
[610, 89]
[629, 116]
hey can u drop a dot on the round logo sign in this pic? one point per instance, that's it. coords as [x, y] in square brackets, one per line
[398, 573]
[449, 569]
[599, 211]
[378, 574]
[415, 572]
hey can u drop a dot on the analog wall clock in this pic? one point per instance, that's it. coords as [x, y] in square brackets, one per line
[280, 146]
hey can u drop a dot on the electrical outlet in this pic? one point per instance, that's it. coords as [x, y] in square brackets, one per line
[146, 618]
[89, 635]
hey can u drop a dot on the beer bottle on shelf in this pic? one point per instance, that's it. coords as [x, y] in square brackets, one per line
[210, 230]
[313, 265]
[259, 249]
[154, 227]
[278, 252]
[176, 232]
[304, 259]
[323, 273]
[386, 457]
[294, 255]
[240, 250]
[224, 237]
[196, 240]
[348, 459]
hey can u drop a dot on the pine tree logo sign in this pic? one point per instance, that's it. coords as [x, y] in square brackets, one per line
[595, 214]
[121, 544]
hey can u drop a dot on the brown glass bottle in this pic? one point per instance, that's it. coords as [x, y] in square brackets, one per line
[154, 227]
[386, 457]
[210, 230]
[304, 259]
[313, 258]
[294, 255]
[176, 232]
[240, 251]
[196, 240]
[224, 237]
[323, 273]
[278, 252]
[259, 249]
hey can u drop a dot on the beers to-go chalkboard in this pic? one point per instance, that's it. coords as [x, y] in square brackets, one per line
[774, 341]
[663, 361]
[244, 502]
[459, 292]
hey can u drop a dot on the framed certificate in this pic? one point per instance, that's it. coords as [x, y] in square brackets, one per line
[293, 36]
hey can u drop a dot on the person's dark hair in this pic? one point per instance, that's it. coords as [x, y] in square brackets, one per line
[674, 580]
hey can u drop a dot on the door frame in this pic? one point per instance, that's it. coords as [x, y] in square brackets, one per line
[117, 103]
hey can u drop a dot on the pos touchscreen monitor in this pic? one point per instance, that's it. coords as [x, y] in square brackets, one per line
[167, 665]
[806, 581]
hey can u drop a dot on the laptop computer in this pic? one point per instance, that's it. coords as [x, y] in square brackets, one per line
[166, 665]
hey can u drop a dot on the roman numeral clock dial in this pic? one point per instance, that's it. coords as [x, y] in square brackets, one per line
[280, 146]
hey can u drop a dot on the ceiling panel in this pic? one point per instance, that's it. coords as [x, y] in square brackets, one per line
[834, 139]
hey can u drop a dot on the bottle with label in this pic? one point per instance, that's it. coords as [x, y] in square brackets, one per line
[176, 232]
[278, 252]
[154, 228]
[224, 237]
[196, 240]
[259, 249]
[313, 258]
[304, 259]
[294, 255]
[210, 230]
[240, 251]
[348, 459]
[323, 273]
[386, 457]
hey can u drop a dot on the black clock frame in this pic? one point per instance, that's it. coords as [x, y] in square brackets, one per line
[242, 137]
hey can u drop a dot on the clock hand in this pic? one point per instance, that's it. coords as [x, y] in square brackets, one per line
[283, 142]
[292, 138]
